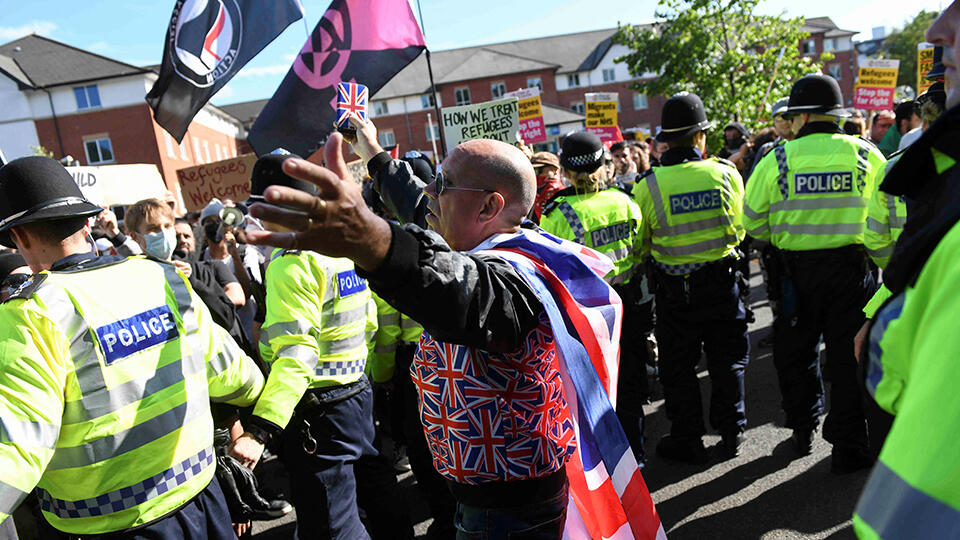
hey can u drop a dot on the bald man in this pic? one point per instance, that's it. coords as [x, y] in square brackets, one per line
[491, 395]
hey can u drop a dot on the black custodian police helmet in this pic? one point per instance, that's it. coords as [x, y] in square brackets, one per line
[267, 172]
[938, 71]
[37, 188]
[682, 115]
[816, 94]
[581, 152]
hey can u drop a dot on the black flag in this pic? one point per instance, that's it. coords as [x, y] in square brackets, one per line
[207, 43]
[363, 41]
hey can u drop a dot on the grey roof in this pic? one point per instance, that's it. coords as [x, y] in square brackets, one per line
[45, 62]
[553, 115]
[9, 67]
[825, 25]
[246, 111]
[566, 53]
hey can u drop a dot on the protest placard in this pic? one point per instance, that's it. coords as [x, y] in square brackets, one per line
[876, 82]
[358, 170]
[227, 179]
[113, 185]
[601, 111]
[532, 129]
[924, 65]
[498, 119]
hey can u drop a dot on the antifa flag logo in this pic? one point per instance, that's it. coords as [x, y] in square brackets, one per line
[205, 39]
[324, 57]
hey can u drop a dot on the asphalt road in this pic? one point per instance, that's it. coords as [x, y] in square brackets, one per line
[765, 493]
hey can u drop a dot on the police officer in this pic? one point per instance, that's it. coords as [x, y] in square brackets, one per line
[608, 221]
[809, 199]
[107, 370]
[691, 227]
[315, 338]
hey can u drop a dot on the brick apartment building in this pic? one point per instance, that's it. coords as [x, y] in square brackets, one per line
[564, 67]
[77, 103]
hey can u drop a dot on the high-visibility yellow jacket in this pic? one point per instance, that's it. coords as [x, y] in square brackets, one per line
[885, 218]
[320, 319]
[106, 378]
[607, 221]
[812, 192]
[692, 213]
[382, 360]
[914, 490]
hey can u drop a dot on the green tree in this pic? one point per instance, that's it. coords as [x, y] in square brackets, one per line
[724, 52]
[41, 151]
[902, 45]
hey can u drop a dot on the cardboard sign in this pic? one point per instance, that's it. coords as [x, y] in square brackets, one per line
[532, 129]
[924, 65]
[358, 170]
[601, 111]
[227, 179]
[116, 185]
[498, 120]
[876, 82]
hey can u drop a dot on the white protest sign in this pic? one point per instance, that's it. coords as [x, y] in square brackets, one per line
[114, 185]
[499, 120]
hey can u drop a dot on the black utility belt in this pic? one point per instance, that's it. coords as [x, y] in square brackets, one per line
[315, 398]
[852, 251]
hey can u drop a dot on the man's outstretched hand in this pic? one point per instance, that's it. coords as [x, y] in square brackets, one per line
[336, 222]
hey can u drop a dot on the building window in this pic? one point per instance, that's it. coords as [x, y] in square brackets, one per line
[183, 152]
[427, 101]
[88, 97]
[835, 71]
[462, 96]
[197, 156]
[809, 47]
[573, 80]
[433, 132]
[233, 152]
[169, 140]
[829, 44]
[99, 151]
[639, 101]
[380, 108]
[534, 81]
[386, 138]
[216, 148]
[498, 89]
[206, 152]
[577, 107]
[609, 76]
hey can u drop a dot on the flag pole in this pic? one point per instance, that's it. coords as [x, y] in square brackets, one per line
[433, 88]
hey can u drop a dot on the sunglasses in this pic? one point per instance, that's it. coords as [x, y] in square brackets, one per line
[442, 186]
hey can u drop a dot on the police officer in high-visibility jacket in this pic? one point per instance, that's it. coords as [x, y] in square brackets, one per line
[607, 220]
[809, 199]
[692, 224]
[315, 337]
[107, 369]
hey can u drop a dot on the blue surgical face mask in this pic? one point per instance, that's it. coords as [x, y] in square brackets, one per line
[161, 244]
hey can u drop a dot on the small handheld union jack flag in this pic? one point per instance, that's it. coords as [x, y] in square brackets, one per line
[351, 98]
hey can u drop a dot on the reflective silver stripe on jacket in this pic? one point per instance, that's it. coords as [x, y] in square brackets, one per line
[896, 222]
[833, 203]
[895, 509]
[579, 233]
[783, 175]
[692, 249]
[881, 253]
[658, 208]
[336, 369]
[332, 319]
[388, 319]
[407, 323]
[817, 229]
[301, 353]
[10, 498]
[877, 227]
[693, 226]
[130, 496]
[27, 433]
[338, 346]
[96, 399]
[385, 349]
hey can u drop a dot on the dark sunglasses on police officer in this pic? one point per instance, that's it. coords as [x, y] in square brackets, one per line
[443, 185]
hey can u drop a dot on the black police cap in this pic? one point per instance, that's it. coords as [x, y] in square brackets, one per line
[683, 114]
[938, 71]
[37, 188]
[816, 94]
[267, 171]
[581, 152]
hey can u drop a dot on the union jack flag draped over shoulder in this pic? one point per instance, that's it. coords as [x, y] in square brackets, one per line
[609, 498]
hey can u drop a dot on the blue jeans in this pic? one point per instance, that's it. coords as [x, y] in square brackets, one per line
[539, 521]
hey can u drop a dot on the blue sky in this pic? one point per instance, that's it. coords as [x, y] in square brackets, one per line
[132, 31]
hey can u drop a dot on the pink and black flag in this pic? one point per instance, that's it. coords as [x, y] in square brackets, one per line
[207, 43]
[359, 41]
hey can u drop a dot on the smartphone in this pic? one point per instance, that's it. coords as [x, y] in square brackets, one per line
[351, 98]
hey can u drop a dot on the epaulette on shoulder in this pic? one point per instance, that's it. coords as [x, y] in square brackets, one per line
[871, 143]
[622, 188]
[553, 201]
[154, 259]
[645, 174]
[723, 161]
[28, 288]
